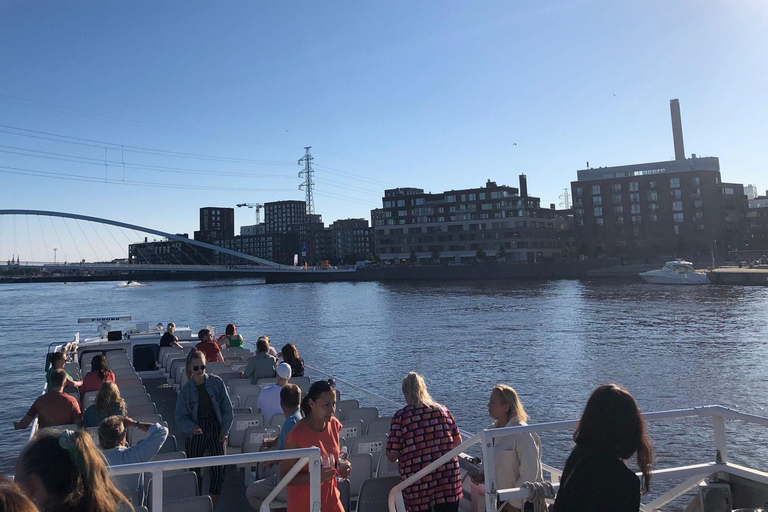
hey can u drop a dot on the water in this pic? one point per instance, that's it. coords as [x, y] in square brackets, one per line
[672, 347]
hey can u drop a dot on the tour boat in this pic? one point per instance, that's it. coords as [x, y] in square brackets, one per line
[675, 272]
[719, 484]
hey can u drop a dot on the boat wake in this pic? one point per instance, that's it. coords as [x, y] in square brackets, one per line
[130, 284]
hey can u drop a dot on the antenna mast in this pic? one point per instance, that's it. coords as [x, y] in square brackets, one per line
[308, 184]
[566, 199]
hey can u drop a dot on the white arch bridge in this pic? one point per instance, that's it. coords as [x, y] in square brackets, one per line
[65, 232]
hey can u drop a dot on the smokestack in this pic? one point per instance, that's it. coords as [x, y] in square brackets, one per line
[677, 129]
[523, 186]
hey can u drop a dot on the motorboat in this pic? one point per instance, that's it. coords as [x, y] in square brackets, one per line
[675, 272]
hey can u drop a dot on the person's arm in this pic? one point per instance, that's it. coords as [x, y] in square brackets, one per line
[25, 422]
[144, 450]
[394, 441]
[530, 459]
[185, 423]
[73, 383]
[219, 356]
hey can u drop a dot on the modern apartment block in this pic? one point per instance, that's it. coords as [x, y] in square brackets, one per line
[166, 252]
[455, 225]
[279, 215]
[349, 240]
[216, 223]
[678, 207]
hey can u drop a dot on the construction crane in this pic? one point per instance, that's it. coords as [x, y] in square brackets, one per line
[256, 206]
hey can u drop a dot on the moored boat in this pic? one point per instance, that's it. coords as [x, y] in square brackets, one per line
[675, 272]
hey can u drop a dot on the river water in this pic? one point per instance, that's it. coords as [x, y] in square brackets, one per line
[553, 341]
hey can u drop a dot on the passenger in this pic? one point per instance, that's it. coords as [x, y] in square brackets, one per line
[209, 347]
[54, 407]
[517, 457]
[204, 414]
[58, 359]
[290, 398]
[291, 356]
[64, 472]
[318, 428]
[168, 339]
[108, 403]
[12, 499]
[113, 434]
[262, 365]
[230, 338]
[270, 350]
[422, 432]
[99, 374]
[595, 477]
[269, 398]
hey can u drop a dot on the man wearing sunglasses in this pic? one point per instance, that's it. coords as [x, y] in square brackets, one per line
[209, 347]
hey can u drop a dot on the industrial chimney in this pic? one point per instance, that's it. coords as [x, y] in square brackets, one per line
[677, 129]
[523, 186]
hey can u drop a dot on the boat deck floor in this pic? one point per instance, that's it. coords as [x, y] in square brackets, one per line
[162, 393]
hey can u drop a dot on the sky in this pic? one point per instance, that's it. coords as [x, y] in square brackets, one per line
[143, 112]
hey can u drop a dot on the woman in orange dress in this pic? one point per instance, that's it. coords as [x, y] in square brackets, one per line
[318, 428]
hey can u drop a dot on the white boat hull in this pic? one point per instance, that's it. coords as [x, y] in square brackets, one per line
[692, 278]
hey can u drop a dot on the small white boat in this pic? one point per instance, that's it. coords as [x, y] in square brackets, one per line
[675, 272]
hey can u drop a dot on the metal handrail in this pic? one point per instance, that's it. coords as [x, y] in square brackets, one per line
[303, 457]
[695, 473]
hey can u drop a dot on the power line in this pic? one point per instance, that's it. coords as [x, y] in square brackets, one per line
[132, 149]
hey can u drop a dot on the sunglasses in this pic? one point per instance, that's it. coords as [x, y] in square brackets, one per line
[196, 368]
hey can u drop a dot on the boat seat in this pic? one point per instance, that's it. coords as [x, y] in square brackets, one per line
[240, 424]
[367, 414]
[277, 420]
[215, 367]
[374, 494]
[181, 485]
[133, 391]
[242, 410]
[137, 399]
[379, 426]
[302, 382]
[229, 376]
[251, 401]
[361, 469]
[266, 381]
[89, 399]
[142, 409]
[374, 444]
[74, 370]
[191, 504]
[351, 428]
[246, 391]
[387, 468]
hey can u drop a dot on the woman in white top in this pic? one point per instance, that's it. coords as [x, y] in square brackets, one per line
[517, 456]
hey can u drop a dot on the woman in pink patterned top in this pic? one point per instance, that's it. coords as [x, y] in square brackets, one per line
[422, 432]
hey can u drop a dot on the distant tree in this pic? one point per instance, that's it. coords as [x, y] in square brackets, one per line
[370, 257]
[480, 254]
[564, 252]
[413, 258]
[502, 254]
[436, 256]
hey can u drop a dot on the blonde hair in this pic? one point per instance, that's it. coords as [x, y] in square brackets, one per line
[194, 354]
[72, 471]
[415, 390]
[109, 394]
[170, 327]
[509, 396]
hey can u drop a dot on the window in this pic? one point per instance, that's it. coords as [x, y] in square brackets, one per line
[619, 221]
[636, 220]
[576, 191]
[677, 217]
[401, 202]
[653, 195]
[599, 222]
[677, 229]
[633, 187]
[696, 181]
[677, 194]
[598, 200]
[402, 213]
[579, 212]
[652, 184]
[697, 204]
[616, 198]
[728, 191]
[653, 207]
[618, 210]
[598, 211]
[634, 197]
[486, 206]
[420, 201]
[616, 187]
[653, 217]
[677, 206]
[674, 183]
[463, 198]
[595, 189]
[450, 199]
[635, 209]
[482, 195]
[472, 197]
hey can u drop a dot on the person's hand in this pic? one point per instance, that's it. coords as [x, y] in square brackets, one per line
[267, 445]
[327, 474]
[344, 469]
[129, 423]
[222, 438]
[17, 425]
[197, 431]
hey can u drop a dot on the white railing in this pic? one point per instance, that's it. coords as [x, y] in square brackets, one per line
[693, 475]
[305, 456]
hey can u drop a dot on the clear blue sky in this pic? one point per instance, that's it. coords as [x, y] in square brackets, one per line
[429, 94]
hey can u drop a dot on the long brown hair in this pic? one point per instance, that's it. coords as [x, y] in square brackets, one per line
[289, 352]
[99, 364]
[612, 422]
[109, 394]
[12, 499]
[72, 471]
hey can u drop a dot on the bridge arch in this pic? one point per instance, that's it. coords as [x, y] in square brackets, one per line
[170, 236]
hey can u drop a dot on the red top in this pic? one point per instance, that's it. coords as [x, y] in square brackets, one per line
[328, 442]
[55, 408]
[211, 350]
[92, 382]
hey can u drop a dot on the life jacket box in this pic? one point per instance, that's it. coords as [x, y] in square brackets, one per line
[114, 335]
[183, 333]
